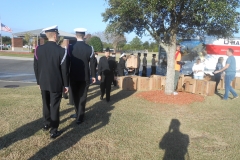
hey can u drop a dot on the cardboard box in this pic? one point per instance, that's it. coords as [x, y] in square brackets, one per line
[181, 80]
[157, 82]
[120, 81]
[132, 61]
[201, 87]
[143, 84]
[190, 85]
[205, 87]
[236, 83]
[211, 88]
[130, 83]
[209, 77]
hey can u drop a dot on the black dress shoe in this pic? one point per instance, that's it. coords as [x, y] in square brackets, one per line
[80, 122]
[55, 135]
[73, 116]
[101, 97]
[65, 97]
[46, 127]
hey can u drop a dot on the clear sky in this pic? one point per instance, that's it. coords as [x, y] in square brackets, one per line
[24, 15]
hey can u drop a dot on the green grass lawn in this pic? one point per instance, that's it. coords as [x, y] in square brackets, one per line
[126, 128]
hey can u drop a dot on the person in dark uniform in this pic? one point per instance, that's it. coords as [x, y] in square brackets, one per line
[144, 61]
[153, 64]
[51, 73]
[106, 72]
[70, 97]
[139, 64]
[122, 65]
[95, 61]
[114, 57]
[80, 57]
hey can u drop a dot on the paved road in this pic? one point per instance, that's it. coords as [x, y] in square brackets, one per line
[16, 71]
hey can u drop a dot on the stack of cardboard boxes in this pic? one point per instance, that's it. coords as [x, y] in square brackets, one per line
[185, 84]
[134, 83]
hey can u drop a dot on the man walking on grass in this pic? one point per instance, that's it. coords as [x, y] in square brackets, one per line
[52, 76]
[230, 73]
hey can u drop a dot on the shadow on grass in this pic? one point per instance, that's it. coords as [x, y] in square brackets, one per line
[175, 143]
[96, 117]
[25, 131]
[220, 95]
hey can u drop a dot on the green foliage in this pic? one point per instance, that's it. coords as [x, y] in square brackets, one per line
[25, 42]
[172, 18]
[107, 45]
[153, 47]
[96, 43]
[146, 45]
[127, 47]
[60, 40]
[6, 40]
[136, 43]
[27, 38]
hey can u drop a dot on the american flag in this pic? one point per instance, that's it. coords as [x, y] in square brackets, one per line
[5, 28]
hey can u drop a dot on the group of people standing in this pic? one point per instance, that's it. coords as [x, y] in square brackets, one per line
[136, 71]
[198, 71]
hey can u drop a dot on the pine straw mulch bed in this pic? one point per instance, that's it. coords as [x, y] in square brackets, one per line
[182, 98]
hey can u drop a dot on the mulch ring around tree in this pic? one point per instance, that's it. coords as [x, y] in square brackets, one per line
[182, 98]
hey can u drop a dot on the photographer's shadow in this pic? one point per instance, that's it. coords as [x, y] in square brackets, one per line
[175, 143]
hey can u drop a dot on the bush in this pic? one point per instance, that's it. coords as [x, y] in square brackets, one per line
[4, 48]
[96, 43]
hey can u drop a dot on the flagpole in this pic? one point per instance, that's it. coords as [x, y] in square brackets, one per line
[1, 31]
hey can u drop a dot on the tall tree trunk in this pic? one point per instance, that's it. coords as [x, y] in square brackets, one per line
[170, 50]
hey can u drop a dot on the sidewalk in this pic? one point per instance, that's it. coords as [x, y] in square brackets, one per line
[16, 58]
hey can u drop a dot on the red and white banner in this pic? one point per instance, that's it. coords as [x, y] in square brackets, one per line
[221, 49]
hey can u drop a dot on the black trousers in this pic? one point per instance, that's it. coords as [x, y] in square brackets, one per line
[144, 71]
[217, 79]
[70, 97]
[105, 85]
[79, 94]
[137, 71]
[51, 105]
[153, 70]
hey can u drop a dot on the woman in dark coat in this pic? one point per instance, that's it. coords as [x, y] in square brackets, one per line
[218, 76]
[121, 65]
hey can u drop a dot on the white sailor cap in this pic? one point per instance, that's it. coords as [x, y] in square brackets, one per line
[80, 30]
[122, 55]
[50, 29]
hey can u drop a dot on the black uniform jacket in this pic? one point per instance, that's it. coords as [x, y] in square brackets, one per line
[80, 57]
[50, 67]
[107, 66]
[121, 65]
